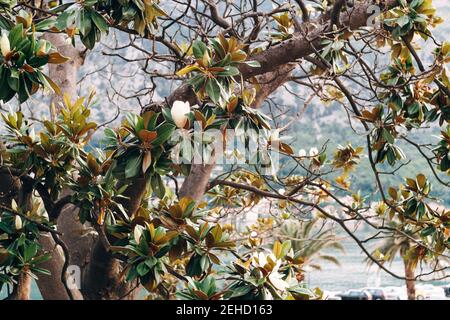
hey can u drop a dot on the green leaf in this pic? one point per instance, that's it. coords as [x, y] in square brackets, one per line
[151, 262]
[65, 19]
[416, 3]
[42, 258]
[301, 291]
[44, 25]
[30, 251]
[285, 247]
[61, 8]
[193, 267]
[396, 102]
[387, 136]
[13, 80]
[99, 21]
[164, 132]
[420, 210]
[5, 23]
[240, 291]
[24, 89]
[158, 186]
[391, 158]
[84, 22]
[204, 263]
[89, 40]
[41, 271]
[253, 63]
[37, 62]
[133, 166]
[229, 72]
[197, 81]
[4, 279]
[4, 227]
[428, 231]
[15, 36]
[402, 21]
[110, 139]
[414, 108]
[445, 163]
[132, 274]
[167, 115]
[213, 90]
[411, 206]
[217, 48]
[136, 121]
[199, 49]
[142, 269]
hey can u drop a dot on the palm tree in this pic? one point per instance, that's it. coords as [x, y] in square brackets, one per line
[309, 241]
[410, 252]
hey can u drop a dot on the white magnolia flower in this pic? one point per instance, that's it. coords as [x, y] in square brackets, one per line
[313, 152]
[302, 153]
[277, 282]
[179, 113]
[261, 259]
[276, 278]
[137, 233]
[18, 223]
[5, 45]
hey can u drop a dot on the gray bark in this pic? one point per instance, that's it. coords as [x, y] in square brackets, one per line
[74, 233]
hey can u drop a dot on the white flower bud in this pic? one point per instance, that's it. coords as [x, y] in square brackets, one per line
[302, 153]
[18, 223]
[137, 233]
[179, 113]
[5, 45]
[313, 152]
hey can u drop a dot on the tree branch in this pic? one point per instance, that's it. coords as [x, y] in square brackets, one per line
[336, 14]
[305, 13]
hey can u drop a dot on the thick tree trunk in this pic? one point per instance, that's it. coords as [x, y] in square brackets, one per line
[64, 75]
[79, 238]
[194, 186]
[51, 287]
[270, 82]
[76, 236]
[410, 283]
[22, 289]
[105, 278]
[11, 188]
[100, 270]
[133, 194]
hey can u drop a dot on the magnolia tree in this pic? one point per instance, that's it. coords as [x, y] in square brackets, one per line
[140, 211]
